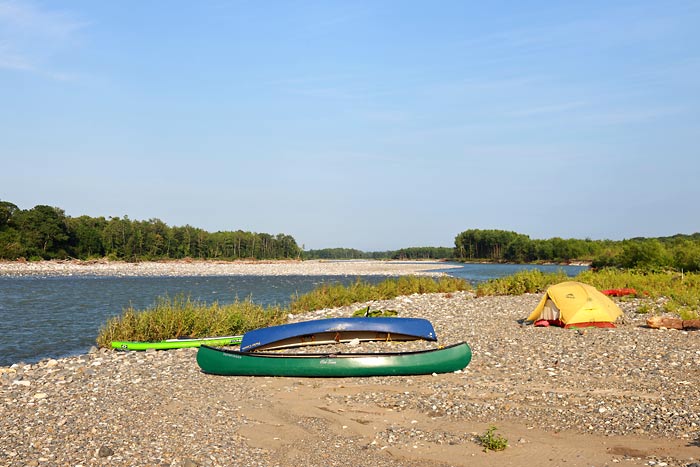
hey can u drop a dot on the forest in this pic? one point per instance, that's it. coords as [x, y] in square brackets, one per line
[680, 252]
[46, 232]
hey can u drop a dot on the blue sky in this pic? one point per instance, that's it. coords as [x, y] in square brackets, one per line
[363, 124]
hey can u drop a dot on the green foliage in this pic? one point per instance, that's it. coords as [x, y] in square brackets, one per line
[336, 253]
[336, 295]
[528, 281]
[663, 291]
[492, 441]
[45, 232]
[178, 317]
[413, 253]
[424, 253]
[366, 312]
[680, 252]
[42, 231]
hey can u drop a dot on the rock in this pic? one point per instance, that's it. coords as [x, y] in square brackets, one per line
[105, 451]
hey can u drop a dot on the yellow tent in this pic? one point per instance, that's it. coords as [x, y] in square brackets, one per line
[575, 304]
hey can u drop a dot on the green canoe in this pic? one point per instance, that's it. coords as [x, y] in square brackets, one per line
[180, 343]
[230, 362]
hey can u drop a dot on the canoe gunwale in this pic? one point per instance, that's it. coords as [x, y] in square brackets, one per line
[330, 354]
[408, 328]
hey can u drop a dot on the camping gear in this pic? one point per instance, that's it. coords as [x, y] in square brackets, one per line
[334, 330]
[230, 362]
[179, 343]
[574, 304]
[619, 292]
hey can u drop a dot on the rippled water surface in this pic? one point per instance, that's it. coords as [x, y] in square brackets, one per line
[44, 317]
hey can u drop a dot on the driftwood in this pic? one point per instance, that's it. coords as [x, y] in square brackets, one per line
[657, 322]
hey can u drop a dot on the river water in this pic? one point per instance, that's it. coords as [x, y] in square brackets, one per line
[42, 317]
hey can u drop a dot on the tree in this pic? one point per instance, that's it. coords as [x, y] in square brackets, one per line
[43, 231]
[86, 236]
[647, 253]
[7, 210]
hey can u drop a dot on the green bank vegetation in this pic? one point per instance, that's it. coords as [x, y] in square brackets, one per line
[660, 291]
[336, 295]
[181, 317]
[679, 252]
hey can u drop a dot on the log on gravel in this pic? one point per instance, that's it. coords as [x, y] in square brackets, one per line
[658, 322]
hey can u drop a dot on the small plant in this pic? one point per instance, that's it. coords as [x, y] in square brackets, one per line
[367, 313]
[492, 441]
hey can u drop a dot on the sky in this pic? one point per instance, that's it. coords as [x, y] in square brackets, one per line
[364, 124]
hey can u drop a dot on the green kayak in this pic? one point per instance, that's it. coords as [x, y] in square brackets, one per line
[230, 362]
[180, 343]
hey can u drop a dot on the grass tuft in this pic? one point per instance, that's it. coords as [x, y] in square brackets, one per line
[180, 316]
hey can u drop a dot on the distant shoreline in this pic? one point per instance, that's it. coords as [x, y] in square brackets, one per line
[176, 268]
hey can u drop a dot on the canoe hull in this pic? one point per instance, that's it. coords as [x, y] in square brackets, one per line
[177, 343]
[234, 363]
[330, 330]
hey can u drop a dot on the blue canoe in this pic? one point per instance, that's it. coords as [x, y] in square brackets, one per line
[334, 330]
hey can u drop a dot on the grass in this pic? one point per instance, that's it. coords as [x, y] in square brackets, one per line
[661, 292]
[182, 317]
[336, 295]
[527, 281]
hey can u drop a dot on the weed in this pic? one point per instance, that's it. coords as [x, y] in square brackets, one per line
[492, 441]
[366, 312]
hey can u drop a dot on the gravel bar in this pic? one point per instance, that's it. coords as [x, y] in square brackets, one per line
[585, 397]
[221, 268]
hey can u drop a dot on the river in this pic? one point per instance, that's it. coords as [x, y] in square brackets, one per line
[56, 316]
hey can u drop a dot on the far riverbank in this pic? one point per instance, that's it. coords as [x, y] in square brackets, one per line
[222, 268]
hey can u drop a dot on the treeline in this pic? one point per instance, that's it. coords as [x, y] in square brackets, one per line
[338, 253]
[413, 253]
[46, 232]
[681, 252]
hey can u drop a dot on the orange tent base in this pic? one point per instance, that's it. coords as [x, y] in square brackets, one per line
[558, 323]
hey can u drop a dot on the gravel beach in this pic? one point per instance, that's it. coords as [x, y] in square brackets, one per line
[594, 397]
[220, 268]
